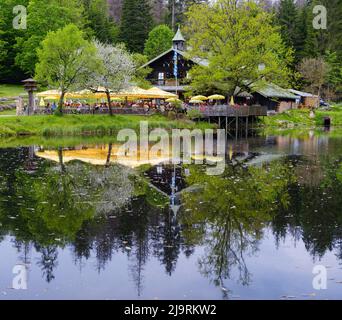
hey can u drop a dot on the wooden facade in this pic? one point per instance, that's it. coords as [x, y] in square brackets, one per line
[165, 74]
[162, 74]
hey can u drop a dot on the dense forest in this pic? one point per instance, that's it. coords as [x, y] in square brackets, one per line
[146, 28]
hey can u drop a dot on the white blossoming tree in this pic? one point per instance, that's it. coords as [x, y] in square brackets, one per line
[116, 71]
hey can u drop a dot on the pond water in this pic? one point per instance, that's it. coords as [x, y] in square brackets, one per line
[79, 223]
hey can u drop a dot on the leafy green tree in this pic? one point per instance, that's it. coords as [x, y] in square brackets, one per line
[141, 73]
[287, 18]
[301, 35]
[176, 11]
[236, 40]
[66, 60]
[292, 20]
[319, 41]
[44, 16]
[99, 21]
[334, 77]
[9, 72]
[159, 40]
[136, 23]
[2, 44]
[315, 72]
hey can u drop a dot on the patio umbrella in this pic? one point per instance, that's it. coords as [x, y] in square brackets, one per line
[134, 93]
[232, 102]
[196, 101]
[86, 94]
[173, 100]
[216, 97]
[117, 100]
[161, 94]
[50, 94]
[54, 95]
[42, 102]
[202, 98]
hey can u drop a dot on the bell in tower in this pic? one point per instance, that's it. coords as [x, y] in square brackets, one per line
[179, 41]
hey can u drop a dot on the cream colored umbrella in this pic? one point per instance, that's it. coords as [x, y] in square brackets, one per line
[53, 95]
[232, 102]
[202, 98]
[134, 93]
[41, 102]
[216, 97]
[173, 100]
[161, 94]
[87, 94]
[196, 101]
[50, 94]
[117, 99]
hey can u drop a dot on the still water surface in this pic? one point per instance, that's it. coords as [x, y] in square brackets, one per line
[80, 224]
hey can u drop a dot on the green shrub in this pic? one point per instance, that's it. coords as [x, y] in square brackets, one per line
[194, 114]
[172, 115]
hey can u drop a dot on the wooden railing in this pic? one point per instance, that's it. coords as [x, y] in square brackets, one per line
[231, 111]
[169, 82]
[132, 111]
[207, 111]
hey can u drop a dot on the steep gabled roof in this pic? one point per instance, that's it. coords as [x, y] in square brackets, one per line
[178, 36]
[199, 61]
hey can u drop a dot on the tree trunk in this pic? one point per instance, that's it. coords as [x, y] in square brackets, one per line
[173, 18]
[61, 161]
[109, 156]
[109, 103]
[60, 103]
[319, 97]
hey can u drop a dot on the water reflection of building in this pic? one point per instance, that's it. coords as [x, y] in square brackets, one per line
[142, 231]
[311, 146]
[307, 154]
[104, 155]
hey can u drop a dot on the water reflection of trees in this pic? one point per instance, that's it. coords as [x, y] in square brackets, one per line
[314, 212]
[47, 205]
[230, 213]
[100, 211]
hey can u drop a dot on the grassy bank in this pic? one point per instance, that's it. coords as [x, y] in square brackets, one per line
[78, 125]
[301, 118]
[11, 112]
[11, 90]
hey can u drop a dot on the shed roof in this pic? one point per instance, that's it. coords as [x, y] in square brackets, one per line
[301, 93]
[271, 90]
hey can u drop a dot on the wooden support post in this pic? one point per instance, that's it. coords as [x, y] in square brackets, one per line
[237, 127]
[247, 123]
[226, 125]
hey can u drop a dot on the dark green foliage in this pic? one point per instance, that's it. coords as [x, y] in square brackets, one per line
[44, 16]
[9, 72]
[99, 21]
[179, 7]
[136, 24]
[159, 41]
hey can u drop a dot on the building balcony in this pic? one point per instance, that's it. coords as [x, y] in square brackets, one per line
[170, 85]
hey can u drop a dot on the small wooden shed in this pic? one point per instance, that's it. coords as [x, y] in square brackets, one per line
[307, 100]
